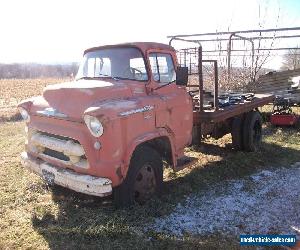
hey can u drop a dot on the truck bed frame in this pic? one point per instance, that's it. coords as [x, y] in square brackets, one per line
[215, 121]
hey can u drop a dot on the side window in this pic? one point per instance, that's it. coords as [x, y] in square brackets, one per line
[137, 66]
[154, 67]
[162, 67]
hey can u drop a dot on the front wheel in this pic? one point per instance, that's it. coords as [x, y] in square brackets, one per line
[297, 124]
[144, 178]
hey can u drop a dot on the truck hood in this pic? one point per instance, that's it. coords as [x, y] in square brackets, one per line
[71, 99]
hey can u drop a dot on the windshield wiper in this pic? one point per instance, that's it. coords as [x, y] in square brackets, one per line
[97, 77]
[85, 78]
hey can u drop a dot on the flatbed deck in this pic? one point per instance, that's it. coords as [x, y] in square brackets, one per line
[213, 116]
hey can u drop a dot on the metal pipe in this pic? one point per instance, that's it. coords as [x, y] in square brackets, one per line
[217, 55]
[216, 83]
[239, 39]
[252, 61]
[216, 92]
[200, 75]
[242, 50]
[229, 58]
[179, 39]
[171, 40]
[190, 71]
[245, 50]
[239, 31]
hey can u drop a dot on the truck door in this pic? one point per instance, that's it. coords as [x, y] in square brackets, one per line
[175, 111]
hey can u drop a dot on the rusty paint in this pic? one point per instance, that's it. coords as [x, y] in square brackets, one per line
[127, 110]
[124, 107]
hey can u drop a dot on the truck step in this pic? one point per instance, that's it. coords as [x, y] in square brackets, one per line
[185, 162]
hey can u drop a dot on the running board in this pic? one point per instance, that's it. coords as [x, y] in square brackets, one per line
[185, 162]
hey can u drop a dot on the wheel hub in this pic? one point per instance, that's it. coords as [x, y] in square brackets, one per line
[145, 184]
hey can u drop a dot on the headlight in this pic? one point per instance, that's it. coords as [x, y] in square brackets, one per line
[24, 114]
[94, 125]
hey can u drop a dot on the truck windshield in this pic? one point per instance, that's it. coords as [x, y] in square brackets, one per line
[119, 63]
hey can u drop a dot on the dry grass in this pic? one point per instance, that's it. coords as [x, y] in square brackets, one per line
[15, 90]
[34, 216]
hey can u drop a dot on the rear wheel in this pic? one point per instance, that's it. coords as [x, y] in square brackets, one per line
[297, 124]
[144, 178]
[252, 131]
[237, 133]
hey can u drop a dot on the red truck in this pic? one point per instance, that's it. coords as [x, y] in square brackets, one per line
[128, 111]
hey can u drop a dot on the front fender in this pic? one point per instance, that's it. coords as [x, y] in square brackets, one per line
[160, 132]
[26, 104]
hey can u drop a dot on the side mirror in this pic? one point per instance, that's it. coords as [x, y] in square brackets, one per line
[182, 76]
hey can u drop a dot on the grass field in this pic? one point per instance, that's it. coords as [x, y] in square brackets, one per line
[15, 90]
[35, 216]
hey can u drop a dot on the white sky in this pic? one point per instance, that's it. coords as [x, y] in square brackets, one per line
[59, 31]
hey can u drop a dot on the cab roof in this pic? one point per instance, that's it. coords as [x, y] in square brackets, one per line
[144, 46]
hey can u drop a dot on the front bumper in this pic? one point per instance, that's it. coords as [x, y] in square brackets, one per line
[81, 183]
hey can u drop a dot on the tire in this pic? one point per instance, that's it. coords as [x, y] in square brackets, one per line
[297, 124]
[144, 178]
[237, 133]
[252, 131]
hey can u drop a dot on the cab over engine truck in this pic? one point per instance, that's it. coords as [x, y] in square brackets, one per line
[128, 110]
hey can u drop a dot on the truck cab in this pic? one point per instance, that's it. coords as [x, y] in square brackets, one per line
[111, 129]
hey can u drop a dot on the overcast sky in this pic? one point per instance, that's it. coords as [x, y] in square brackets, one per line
[59, 31]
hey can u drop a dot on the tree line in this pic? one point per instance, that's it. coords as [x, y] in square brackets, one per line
[35, 70]
[291, 60]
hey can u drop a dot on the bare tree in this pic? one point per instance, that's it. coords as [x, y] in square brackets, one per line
[291, 60]
[248, 64]
[260, 59]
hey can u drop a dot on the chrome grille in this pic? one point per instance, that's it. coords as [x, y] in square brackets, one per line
[57, 147]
